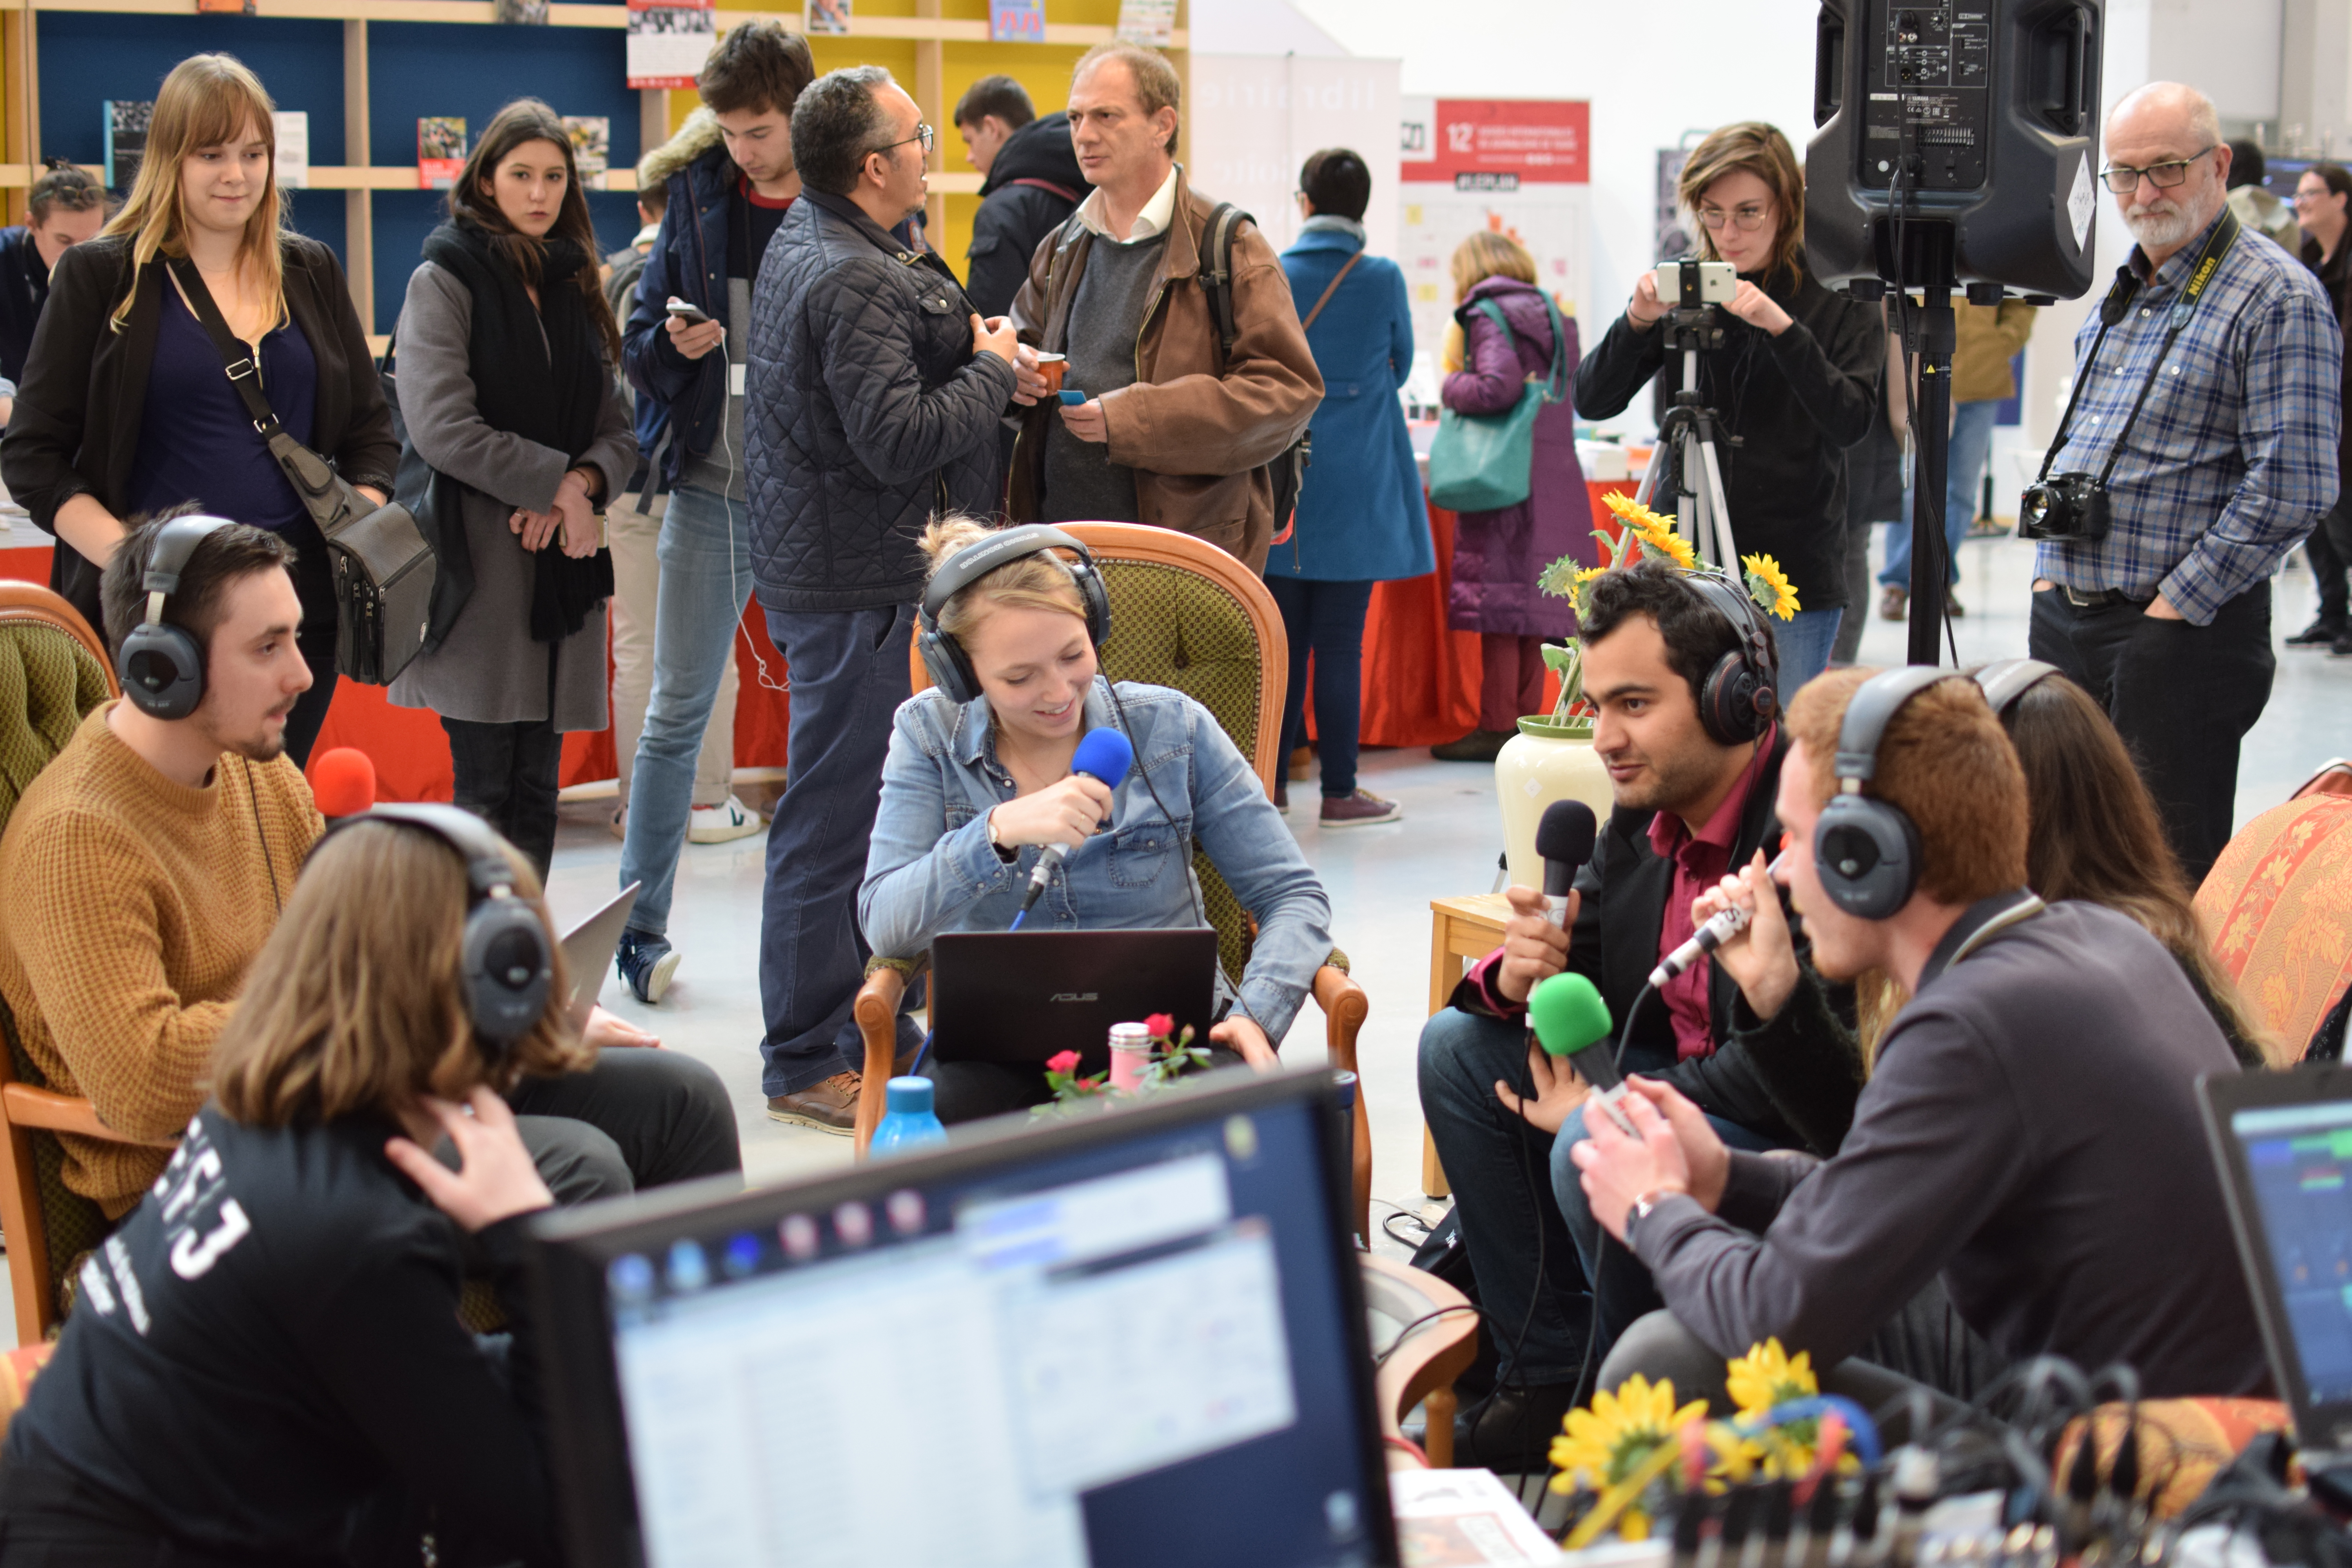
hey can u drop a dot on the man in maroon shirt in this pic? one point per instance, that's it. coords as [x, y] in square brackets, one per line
[1694, 799]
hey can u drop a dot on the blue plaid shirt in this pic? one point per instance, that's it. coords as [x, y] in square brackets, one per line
[2234, 458]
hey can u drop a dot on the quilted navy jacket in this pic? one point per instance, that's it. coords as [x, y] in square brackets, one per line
[869, 410]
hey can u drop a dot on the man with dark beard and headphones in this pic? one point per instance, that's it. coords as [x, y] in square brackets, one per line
[2030, 1133]
[1682, 667]
[149, 861]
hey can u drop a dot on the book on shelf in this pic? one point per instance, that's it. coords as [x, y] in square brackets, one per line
[828, 15]
[440, 151]
[1016, 21]
[1151, 22]
[520, 13]
[293, 162]
[126, 139]
[668, 43]
[591, 147]
[226, 7]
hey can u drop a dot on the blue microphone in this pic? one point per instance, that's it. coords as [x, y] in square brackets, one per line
[1104, 754]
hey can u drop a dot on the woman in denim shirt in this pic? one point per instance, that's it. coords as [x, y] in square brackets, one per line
[972, 793]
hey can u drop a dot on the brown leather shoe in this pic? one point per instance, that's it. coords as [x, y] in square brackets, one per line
[829, 1107]
[1893, 603]
[1360, 809]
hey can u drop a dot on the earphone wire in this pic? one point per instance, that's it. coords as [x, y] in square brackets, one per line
[253, 799]
[1144, 770]
[727, 449]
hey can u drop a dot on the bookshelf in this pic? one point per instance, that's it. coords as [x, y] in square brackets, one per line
[364, 70]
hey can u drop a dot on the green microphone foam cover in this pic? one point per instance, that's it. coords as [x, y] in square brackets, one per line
[1568, 1014]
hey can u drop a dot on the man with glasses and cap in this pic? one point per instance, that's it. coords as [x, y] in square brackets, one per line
[2208, 394]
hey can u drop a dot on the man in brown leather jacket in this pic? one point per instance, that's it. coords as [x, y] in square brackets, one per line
[1170, 431]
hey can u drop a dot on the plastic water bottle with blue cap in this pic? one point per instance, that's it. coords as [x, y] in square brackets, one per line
[909, 1123]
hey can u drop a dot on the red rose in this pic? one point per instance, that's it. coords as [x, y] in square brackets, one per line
[1062, 1062]
[1159, 1025]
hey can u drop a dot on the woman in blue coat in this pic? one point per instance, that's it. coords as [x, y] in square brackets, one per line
[1362, 517]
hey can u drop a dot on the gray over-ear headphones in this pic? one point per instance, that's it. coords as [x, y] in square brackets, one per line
[1866, 849]
[162, 667]
[2006, 680]
[951, 667]
[508, 965]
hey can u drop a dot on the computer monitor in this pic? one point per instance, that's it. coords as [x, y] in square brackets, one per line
[1134, 1338]
[2283, 1145]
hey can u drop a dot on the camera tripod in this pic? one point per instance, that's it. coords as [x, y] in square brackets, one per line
[1688, 447]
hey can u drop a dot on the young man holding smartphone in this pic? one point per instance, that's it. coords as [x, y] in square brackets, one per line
[685, 345]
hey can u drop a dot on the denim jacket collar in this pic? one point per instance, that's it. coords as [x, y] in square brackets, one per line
[974, 740]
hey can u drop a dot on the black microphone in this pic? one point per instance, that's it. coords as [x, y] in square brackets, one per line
[1564, 839]
[1104, 754]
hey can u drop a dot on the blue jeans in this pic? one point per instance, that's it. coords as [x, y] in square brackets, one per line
[1623, 1290]
[1971, 447]
[705, 579]
[849, 676]
[1326, 619]
[1804, 644]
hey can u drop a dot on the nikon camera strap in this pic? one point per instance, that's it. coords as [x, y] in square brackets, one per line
[2113, 309]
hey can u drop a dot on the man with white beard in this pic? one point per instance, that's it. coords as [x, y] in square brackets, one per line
[2206, 404]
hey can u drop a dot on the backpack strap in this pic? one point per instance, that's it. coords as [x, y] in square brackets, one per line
[1064, 191]
[1217, 274]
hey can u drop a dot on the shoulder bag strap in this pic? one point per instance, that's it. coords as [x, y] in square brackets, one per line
[322, 492]
[1330, 289]
[1064, 191]
[1556, 384]
[1216, 263]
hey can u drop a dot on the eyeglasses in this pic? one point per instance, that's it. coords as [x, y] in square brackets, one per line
[1746, 219]
[2163, 176]
[2320, 194]
[922, 133]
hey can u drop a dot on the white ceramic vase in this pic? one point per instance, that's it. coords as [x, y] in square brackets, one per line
[1545, 761]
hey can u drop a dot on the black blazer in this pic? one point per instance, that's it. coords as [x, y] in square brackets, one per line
[1807, 1098]
[80, 403]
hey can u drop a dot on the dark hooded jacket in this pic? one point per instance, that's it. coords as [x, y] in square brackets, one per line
[689, 260]
[869, 410]
[1033, 186]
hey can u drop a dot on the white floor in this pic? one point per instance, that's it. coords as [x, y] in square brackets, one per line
[1380, 881]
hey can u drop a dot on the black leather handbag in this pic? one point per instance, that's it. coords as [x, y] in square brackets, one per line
[384, 568]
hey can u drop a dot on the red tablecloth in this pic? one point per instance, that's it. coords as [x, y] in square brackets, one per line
[1421, 684]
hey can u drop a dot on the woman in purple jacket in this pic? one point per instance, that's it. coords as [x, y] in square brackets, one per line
[1496, 554]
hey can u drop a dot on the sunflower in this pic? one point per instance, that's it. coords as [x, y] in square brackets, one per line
[1600, 1447]
[1769, 586]
[1656, 532]
[1768, 1376]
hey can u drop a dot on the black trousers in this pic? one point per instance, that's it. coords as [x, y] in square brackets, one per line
[2182, 697]
[314, 583]
[2326, 553]
[508, 774]
[637, 1119]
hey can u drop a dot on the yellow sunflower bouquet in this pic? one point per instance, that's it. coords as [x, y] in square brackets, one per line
[1629, 1459]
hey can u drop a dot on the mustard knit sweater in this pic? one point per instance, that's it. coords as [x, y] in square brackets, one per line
[130, 907]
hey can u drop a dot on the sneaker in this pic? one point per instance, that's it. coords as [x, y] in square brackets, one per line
[2320, 633]
[1477, 746]
[729, 819]
[829, 1107]
[647, 962]
[1360, 809]
[1893, 604]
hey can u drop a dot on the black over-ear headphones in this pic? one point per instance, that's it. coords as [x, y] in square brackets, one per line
[162, 667]
[1741, 695]
[2006, 680]
[508, 965]
[1866, 849]
[950, 666]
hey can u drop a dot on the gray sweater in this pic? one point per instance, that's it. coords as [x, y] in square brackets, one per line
[2030, 1133]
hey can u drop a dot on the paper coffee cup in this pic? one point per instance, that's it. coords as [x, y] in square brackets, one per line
[1053, 367]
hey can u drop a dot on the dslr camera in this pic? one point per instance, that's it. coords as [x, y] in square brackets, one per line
[2067, 508]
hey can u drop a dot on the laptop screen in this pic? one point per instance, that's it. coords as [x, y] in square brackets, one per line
[2298, 1161]
[1132, 1346]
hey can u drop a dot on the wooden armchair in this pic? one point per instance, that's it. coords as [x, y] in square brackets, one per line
[53, 670]
[1184, 614]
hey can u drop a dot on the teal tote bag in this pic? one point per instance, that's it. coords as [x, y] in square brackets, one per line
[1481, 462]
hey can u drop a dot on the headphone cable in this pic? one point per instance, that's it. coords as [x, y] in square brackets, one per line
[253, 799]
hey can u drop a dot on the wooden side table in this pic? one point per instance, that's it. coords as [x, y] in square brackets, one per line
[1462, 930]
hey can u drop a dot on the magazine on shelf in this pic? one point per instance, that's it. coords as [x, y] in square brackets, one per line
[591, 147]
[293, 164]
[1151, 22]
[668, 43]
[126, 139]
[1016, 21]
[440, 151]
[828, 15]
[520, 13]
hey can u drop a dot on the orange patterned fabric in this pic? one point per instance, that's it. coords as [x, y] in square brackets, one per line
[2279, 904]
[2183, 1443]
[17, 1369]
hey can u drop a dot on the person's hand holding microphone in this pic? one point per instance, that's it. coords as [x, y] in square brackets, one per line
[1066, 814]
[1761, 957]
